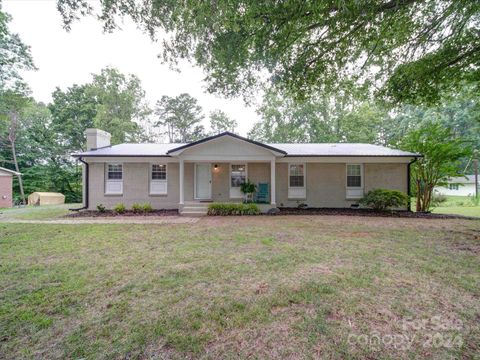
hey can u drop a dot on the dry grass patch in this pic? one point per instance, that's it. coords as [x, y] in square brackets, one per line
[261, 287]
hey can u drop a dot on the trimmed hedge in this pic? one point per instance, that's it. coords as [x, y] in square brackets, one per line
[227, 209]
[382, 199]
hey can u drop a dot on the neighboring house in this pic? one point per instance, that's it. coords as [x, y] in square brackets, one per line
[183, 176]
[458, 186]
[6, 177]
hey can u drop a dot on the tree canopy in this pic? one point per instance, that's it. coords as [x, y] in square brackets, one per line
[14, 56]
[180, 116]
[220, 122]
[441, 151]
[408, 50]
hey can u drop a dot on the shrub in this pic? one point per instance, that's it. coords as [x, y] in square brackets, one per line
[119, 208]
[137, 208]
[382, 199]
[101, 208]
[248, 187]
[232, 209]
[147, 207]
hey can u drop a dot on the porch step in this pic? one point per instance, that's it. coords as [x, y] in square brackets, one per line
[194, 209]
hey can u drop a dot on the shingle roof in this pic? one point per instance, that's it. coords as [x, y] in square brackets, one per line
[131, 150]
[340, 149]
[470, 179]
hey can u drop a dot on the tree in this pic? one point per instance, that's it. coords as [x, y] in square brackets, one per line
[220, 122]
[12, 104]
[73, 111]
[120, 104]
[14, 55]
[339, 118]
[181, 116]
[413, 50]
[442, 154]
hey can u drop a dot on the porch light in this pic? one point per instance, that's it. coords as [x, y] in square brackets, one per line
[215, 166]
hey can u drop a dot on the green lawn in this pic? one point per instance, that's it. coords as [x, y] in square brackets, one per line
[240, 287]
[460, 205]
[455, 205]
[46, 212]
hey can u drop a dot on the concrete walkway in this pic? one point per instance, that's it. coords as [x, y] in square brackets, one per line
[116, 220]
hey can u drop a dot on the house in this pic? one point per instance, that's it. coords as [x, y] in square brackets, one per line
[186, 176]
[458, 186]
[6, 178]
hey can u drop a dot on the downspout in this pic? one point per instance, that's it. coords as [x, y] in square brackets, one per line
[86, 186]
[409, 193]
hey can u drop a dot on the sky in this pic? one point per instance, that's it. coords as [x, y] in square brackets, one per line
[65, 58]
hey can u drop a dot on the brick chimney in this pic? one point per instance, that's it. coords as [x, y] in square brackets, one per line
[97, 138]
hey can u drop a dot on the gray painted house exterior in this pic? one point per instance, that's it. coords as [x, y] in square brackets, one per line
[175, 176]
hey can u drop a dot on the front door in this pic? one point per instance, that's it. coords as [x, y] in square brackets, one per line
[203, 181]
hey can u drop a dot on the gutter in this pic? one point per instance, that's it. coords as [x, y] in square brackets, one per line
[86, 186]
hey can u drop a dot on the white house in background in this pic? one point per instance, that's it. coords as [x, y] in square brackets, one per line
[458, 186]
[187, 176]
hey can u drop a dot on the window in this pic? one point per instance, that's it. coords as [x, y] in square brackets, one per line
[238, 175]
[159, 172]
[354, 176]
[114, 179]
[354, 181]
[296, 181]
[158, 179]
[453, 186]
[115, 172]
[296, 177]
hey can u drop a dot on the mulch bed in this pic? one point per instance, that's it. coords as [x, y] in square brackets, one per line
[110, 213]
[369, 212]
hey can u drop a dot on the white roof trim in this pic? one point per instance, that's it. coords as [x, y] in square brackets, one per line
[2, 169]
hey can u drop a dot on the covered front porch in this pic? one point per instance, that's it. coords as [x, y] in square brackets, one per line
[206, 181]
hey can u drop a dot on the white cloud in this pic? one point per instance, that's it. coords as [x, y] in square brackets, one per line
[65, 58]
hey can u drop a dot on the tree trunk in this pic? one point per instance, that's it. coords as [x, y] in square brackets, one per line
[418, 205]
[12, 136]
[20, 181]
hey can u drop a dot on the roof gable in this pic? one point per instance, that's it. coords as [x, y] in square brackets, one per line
[226, 143]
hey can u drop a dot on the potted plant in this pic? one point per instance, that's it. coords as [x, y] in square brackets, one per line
[248, 188]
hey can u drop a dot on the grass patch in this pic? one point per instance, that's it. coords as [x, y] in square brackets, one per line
[46, 212]
[240, 287]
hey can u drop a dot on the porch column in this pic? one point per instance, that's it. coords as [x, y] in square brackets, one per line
[272, 182]
[180, 175]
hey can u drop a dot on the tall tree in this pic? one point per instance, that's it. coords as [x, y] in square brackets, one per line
[181, 117]
[413, 49]
[220, 122]
[120, 104]
[12, 104]
[73, 111]
[441, 151]
[14, 55]
[339, 118]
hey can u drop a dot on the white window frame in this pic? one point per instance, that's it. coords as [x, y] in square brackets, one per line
[157, 186]
[236, 192]
[113, 186]
[354, 192]
[298, 192]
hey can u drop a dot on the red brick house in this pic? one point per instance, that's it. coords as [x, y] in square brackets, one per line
[6, 177]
